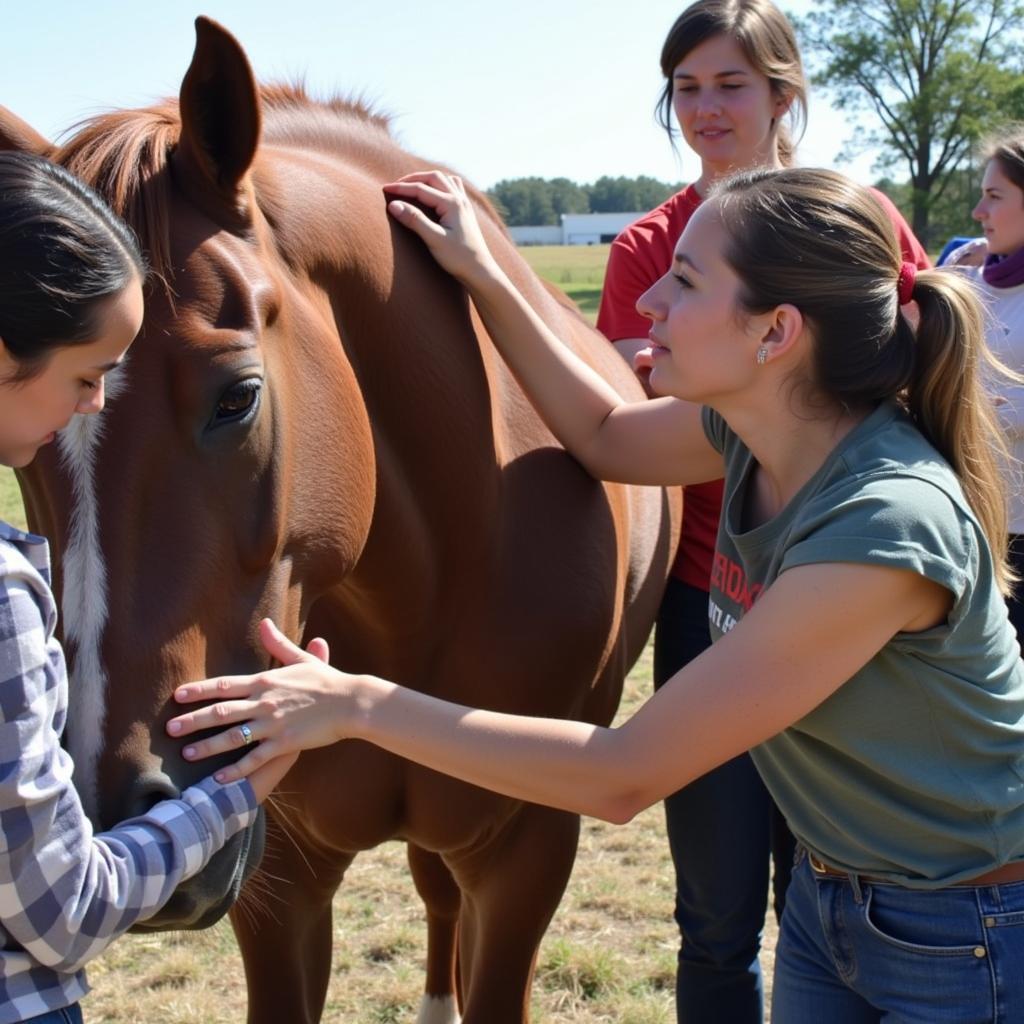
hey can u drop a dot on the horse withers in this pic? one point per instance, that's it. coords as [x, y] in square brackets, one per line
[314, 426]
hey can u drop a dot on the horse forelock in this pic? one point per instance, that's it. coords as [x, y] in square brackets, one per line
[124, 154]
[84, 594]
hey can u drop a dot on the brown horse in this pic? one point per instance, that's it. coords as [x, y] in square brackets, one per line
[314, 426]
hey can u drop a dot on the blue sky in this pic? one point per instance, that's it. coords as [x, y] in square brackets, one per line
[496, 90]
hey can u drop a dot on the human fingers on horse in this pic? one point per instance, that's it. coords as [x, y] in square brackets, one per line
[644, 359]
[444, 194]
[643, 363]
[454, 237]
[429, 228]
[443, 180]
[319, 649]
[222, 715]
[218, 688]
[257, 759]
[264, 779]
[280, 647]
[416, 220]
[437, 193]
[293, 707]
[436, 210]
[239, 735]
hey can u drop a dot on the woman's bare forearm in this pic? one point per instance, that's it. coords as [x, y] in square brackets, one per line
[571, 765]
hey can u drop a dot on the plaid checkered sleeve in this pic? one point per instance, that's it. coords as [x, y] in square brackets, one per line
[65, 893]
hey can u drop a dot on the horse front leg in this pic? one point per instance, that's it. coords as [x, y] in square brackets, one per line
[442, 900]
[510, 891]
[283, 925]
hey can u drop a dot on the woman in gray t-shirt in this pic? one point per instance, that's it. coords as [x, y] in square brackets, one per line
[862, 644]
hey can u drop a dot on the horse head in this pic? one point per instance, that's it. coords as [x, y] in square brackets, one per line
[211, 473]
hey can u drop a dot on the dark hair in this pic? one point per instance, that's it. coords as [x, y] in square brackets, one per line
[767, 40]
[62, 252]
[1007, 149]
[818, 241]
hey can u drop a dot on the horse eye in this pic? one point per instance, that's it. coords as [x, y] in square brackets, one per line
[238, 401]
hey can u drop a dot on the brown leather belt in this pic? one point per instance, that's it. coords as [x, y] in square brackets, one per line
[1012, 872]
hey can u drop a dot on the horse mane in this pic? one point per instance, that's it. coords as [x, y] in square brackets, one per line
[125, 154]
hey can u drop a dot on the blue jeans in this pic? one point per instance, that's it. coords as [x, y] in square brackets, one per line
[854, 952]
[723, 829]
[68, 1015]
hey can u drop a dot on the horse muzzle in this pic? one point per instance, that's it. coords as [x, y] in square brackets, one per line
[205, 898]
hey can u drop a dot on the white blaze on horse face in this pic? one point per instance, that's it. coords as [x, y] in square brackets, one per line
[84, 599]
[438, 1010]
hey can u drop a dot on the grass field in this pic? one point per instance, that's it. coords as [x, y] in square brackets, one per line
[577, 269]
[609, 955]
[11, 510]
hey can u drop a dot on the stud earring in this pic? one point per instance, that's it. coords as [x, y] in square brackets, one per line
[762, 355]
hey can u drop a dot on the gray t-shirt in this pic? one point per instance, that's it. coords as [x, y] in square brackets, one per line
[913, 770]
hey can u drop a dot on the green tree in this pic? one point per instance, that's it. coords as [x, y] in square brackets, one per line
[613, 195]
[568, 197]
[531, 201]
[936, 73]
[524, 201]
[650, 192]
[627, 195]
[950, 214]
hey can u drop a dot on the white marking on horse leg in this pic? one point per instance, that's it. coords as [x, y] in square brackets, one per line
[84, 599]
[438, 1010]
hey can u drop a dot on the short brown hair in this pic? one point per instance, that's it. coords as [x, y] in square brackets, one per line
[1007, 149]
[766, 38]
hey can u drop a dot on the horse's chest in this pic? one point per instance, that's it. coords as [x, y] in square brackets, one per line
[354, 797]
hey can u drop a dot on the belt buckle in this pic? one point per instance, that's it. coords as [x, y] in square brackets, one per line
[816, 865]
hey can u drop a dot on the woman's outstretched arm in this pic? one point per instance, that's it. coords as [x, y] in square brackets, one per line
[656, 442]
[806, 635]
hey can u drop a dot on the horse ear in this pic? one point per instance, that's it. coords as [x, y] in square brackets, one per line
[220, 113]
[22, 137]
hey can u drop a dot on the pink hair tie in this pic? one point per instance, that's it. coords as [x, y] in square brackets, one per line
[905, 282]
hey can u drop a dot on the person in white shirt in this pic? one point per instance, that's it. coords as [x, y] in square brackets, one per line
[996, 265]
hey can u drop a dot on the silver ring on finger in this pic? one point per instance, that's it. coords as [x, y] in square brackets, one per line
[247, 736]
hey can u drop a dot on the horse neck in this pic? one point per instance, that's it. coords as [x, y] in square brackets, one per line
[445, 414]
[432, 402]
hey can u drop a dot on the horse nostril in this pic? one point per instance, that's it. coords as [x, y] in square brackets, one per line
[150, 789]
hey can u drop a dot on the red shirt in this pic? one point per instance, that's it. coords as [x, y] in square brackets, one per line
[639, 256]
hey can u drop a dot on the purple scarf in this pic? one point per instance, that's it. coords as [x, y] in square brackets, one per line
[1004, 271]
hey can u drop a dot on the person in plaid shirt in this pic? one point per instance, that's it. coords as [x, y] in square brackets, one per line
[70, 305]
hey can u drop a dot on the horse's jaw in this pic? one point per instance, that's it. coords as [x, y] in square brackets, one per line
[204, 899]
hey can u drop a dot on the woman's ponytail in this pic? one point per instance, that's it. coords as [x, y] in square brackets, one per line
[947, 398]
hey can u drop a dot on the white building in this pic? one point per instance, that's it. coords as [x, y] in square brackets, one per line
[537, 234]
[575, 229]
[594, 228]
